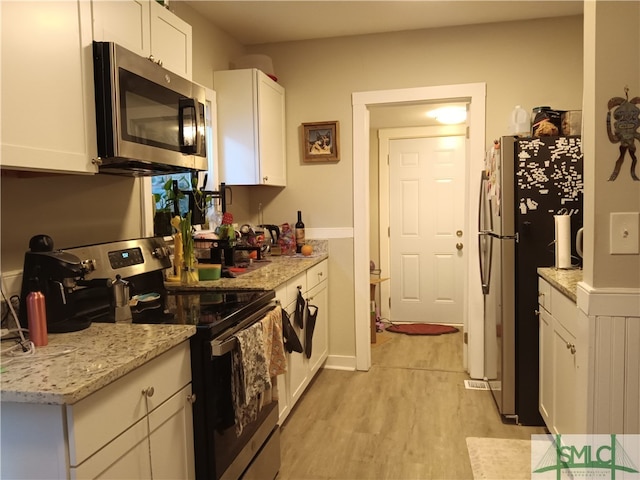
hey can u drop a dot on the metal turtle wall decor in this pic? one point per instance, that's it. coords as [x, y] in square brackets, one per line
[626, 116]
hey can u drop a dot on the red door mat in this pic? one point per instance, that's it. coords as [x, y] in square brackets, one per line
[421, 329]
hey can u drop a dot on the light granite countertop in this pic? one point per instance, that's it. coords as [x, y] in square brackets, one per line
[566, 281]
[74, 365]
[272, 273]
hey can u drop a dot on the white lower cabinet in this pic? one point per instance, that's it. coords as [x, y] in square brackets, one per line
[139, 426]
[563, 363]
[300, 370]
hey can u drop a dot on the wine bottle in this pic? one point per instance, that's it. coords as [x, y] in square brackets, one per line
[299, 233]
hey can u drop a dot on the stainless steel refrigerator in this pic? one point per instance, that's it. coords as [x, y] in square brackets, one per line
[525, 183]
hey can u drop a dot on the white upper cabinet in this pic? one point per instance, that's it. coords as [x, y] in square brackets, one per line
[48, 106]
[171, 41]
[147, 28]
[251, 128]
[47, 88]
[125, 23]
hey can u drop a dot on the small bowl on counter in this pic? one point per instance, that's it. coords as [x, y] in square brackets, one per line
[209, 271]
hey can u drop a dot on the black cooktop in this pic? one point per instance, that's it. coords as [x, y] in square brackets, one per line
[213, 311]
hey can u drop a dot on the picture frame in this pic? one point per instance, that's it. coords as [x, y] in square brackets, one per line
[321, 142]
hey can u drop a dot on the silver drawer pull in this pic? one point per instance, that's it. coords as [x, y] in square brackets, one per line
[191, 398]
[571, 347]
[148, 392]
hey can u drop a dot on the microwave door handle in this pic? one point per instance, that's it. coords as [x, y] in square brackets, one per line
[188, 104]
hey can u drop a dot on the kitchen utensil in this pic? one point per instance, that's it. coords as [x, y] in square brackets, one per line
[121, 299]
[271, 234]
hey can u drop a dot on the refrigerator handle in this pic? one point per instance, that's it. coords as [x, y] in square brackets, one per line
[485, 269]
[483, 177]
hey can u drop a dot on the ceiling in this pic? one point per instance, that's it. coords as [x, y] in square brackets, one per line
[267, 21]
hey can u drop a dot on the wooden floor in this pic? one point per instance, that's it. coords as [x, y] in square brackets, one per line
[407, 418]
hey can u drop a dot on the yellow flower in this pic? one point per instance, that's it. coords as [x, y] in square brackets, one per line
[175, 222]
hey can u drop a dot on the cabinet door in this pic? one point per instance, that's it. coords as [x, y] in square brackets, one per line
[47, 95]
[171, 40]
[125, 22]
[271, 125]
[564, 409]
[171, 437]
[319, 297]
[251, 129]
[546, 367]
[126, 457]
[298, 365]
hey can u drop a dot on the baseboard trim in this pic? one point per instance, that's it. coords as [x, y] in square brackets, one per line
[340, 362]
[611, 302]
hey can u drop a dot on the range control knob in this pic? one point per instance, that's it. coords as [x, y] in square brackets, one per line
[160, 252]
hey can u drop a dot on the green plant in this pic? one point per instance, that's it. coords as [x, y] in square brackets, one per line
[168, 199]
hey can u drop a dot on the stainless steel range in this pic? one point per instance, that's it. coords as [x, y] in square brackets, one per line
[135, 268]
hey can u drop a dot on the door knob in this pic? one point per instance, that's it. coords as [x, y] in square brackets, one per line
[459, 246]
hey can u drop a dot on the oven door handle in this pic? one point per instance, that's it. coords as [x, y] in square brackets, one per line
[226, 341]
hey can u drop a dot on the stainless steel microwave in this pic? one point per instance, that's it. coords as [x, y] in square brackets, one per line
[149, 120]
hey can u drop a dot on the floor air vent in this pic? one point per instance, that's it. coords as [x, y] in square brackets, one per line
[476, 385]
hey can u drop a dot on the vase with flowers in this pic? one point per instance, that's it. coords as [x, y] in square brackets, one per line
[184, 251]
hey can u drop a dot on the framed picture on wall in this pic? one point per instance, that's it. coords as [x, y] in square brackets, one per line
[320, 142]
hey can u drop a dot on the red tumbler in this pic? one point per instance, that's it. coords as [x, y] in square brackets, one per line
[37, 319]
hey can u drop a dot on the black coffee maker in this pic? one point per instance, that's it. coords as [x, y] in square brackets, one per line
[54, 273]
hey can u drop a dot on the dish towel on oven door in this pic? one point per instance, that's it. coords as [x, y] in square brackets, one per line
[256, 362]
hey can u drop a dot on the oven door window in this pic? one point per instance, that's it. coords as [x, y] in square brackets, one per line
[149, 112]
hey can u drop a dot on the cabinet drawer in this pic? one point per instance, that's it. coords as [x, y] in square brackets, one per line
[544, 294]
[317, 274]
[299, 282]
[97, 419]
[281, 295]
[564, 310]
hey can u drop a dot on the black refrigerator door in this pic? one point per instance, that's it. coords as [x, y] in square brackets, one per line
[549, 179]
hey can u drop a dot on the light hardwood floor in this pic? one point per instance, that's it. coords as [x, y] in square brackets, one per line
[407, 418]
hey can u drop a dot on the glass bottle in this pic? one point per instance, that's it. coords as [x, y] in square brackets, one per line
[299, 233]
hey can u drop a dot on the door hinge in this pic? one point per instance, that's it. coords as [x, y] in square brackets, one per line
[467, 133]
[388, 232]
[465, 338]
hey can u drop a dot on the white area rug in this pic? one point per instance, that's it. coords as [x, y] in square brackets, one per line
[499, 458]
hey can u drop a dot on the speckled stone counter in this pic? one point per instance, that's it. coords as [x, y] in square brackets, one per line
[274, 272]
[96, 357]
[566, 281]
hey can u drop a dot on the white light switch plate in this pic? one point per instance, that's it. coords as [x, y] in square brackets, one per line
[625, 233]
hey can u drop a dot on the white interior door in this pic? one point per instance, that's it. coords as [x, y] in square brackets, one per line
[426, 220]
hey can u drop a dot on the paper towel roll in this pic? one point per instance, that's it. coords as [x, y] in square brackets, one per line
[563, 241]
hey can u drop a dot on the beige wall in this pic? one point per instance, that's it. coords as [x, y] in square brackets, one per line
[72, 209]
[609, 28]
